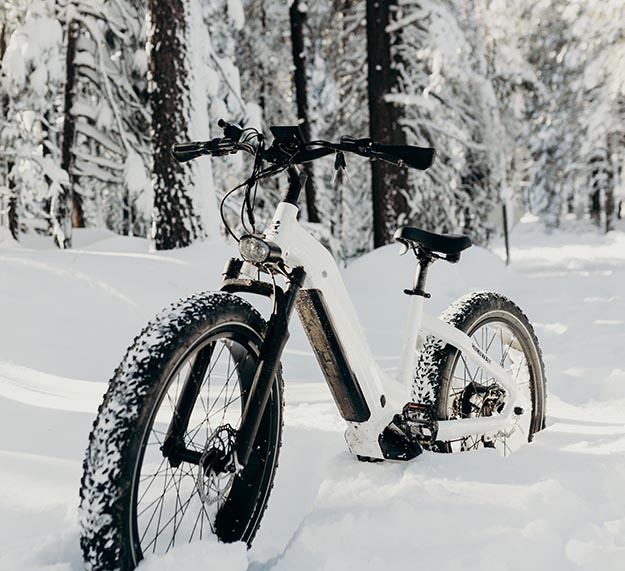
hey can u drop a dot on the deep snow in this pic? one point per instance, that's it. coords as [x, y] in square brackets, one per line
[558, 503]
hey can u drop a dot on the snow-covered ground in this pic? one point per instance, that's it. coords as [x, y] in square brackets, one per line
[67, 317]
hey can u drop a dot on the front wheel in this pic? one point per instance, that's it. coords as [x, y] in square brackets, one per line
[159, 470]
[458, 388]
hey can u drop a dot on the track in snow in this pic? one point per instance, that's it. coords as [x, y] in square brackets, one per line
[555, 504]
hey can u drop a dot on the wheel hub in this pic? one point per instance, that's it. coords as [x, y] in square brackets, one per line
[478, 400]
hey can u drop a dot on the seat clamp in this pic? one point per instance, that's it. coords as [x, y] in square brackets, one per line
[417, 292]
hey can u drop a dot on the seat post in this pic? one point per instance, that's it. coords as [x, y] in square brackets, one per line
[415, 317]
[425, 259]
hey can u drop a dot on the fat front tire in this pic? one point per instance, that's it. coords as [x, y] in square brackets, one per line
[150, 480]
[457, 388]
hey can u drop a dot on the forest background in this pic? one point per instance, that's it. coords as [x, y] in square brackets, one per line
[524, 102]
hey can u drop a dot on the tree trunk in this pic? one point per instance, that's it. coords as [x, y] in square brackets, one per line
[506, 232]
[175, 223]
[3, 42]
[612, 181]
[64, 215]
[69, 121]
[596, 185]
[387, 181]
[609, 203]
[298, 21]
[595, 207]
[262, 97]
[12, 212]
[12, 203]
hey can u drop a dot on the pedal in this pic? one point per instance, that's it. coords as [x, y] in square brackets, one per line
[421, 422]
[409, 433]
[397, 443]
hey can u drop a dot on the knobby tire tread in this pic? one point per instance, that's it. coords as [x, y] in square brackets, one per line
[105, 537]
[436, 357]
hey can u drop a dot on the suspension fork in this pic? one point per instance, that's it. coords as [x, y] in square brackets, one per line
[173, 447]
[269, 362]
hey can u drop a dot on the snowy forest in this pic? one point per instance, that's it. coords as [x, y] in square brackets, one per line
[523, 101]
[101, 229]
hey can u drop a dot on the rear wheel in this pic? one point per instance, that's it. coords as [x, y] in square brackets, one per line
[457, 388]
[159, 470]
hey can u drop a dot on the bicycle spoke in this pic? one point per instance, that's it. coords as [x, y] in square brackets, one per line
[153, 478]
[473, 392]
[487, 349]
[166, 488]
[160, 500]
[193, 432]
[171, 507]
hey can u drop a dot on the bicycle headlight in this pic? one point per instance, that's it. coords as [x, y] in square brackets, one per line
[255, 250]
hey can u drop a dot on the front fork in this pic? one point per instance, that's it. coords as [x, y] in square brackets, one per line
[260, 390]
[270, 354]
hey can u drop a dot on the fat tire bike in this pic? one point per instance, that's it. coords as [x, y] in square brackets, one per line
[186, 442]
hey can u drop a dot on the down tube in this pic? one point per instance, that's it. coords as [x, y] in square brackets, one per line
[383, 395]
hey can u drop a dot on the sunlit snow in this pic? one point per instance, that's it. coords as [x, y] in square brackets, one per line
[555, 504]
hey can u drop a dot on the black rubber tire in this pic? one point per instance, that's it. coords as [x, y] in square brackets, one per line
[438, 360]
[109, 539]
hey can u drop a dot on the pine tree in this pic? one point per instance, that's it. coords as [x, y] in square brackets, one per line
[596, 28]
[514, 81]
[297, 14]
[576, 120]
[32, 79]
[552, 110]
[387, 182]
[176, 223]
[8, 195]
[449, 105]
[262, 55]
[93, 166]
[339, 90]
[110, 151]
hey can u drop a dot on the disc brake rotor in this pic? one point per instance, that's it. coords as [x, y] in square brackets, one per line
[217, 468]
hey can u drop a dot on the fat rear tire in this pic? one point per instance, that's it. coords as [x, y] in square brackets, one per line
[441, 367]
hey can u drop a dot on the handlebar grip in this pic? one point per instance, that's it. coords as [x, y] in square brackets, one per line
[184, 152]
[420, 158]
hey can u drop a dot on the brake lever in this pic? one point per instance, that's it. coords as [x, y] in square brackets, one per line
[232, 131]
[339, 161]
[340, 167]
[379, 156]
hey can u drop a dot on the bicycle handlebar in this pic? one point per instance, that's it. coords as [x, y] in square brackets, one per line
[184, 152]
[419, 158]
[299, 152]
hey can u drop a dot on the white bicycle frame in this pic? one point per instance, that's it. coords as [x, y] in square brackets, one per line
[384, 395]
